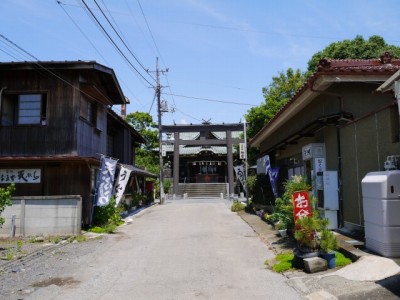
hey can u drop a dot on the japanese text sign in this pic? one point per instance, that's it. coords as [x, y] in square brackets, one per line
[106, 180]
[301, 205]
[20, 175]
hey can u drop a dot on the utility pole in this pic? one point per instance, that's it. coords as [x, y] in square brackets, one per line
[159, 113]
[245, 160]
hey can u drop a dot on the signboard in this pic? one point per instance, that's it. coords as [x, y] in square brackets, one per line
[20, 175]
[163, 150]
[241, 175]
[105, 180]
[301, 205]
[242, 151]
[120, 183]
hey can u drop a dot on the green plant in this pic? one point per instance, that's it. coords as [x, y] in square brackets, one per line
[237, 206]
[108, 214]
[54, 239]
[280, 226]
[9, 255]
[251, 182]
[306, 230]
[284, 262]
[109, 228]
[19, 245]
[328, 241]
[341, 260]
[283, 210]
[167, 186]
[5, 200]
[79, 238]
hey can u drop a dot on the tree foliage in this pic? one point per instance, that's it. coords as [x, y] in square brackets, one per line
[276, 95]
[5, 199]
[286, 84]
[145, 155]
[358, 48]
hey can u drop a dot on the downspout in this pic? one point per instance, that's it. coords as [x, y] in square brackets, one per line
[338, 150]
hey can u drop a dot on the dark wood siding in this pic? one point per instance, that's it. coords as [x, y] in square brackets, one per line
[54, 138]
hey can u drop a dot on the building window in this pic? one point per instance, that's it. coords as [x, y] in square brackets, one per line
[23, 109]
[88, 111]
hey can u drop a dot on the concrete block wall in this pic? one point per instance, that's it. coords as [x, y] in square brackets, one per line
[44, 215]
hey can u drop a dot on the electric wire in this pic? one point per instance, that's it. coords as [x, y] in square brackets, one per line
[81, 31]
[104, 31]
[157, 49]
[92, 44]
[42, 67]
[122, 40]
[214, 100]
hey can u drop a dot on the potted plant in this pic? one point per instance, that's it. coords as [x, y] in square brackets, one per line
[328, 245]
[282, 228]
[306, 234]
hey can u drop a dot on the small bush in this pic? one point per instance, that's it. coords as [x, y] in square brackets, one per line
[9, 255]
[237, 206]
[80, 238]
[341, 260]
[282, 266]
[19, 245]
[108, 214]
[5, 200]
[284, 262]
[109, 228]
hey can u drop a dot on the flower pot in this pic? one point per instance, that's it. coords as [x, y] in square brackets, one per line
[301, 254]
[330, 258]
[282, 232]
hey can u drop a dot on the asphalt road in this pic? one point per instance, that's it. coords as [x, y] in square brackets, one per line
[183, 249]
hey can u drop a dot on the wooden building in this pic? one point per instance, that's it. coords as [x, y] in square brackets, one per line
[55, 121]
[339, 125]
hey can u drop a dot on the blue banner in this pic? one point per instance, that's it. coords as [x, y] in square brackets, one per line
[105, 180]
[273, 175]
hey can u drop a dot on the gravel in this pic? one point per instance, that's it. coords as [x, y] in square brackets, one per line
[36, 265]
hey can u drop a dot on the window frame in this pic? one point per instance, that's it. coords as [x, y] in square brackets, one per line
[88, 111]
[14, 103]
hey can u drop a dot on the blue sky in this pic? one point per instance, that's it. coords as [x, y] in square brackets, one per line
[220, 53]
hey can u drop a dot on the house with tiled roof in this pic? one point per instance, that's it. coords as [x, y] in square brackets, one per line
[335, 130]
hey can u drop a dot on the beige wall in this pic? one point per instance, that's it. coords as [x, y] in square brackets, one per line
[365, 143]
[44, 215]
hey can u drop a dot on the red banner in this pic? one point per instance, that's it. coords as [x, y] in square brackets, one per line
[301, 205]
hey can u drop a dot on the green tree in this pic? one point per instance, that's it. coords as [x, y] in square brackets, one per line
[5, 200]
[286, 84]
[146, 157]
[276, 95]
[358, 48]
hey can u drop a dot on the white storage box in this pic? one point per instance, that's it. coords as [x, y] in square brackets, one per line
[381, 206]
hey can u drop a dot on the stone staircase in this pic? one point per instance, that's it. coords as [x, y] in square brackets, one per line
[207, 190]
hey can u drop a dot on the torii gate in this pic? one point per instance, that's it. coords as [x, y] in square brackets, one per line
[204, 130]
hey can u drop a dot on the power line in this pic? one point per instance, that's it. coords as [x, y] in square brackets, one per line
[18, 47]
[81, 31]
[121, 39]
[213, 100]
[114, 44]
[92, 44]
[43, 67]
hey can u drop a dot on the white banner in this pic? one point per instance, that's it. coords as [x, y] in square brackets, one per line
[20, 175]
[120, 183]
[239, 170]
[105, 180]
